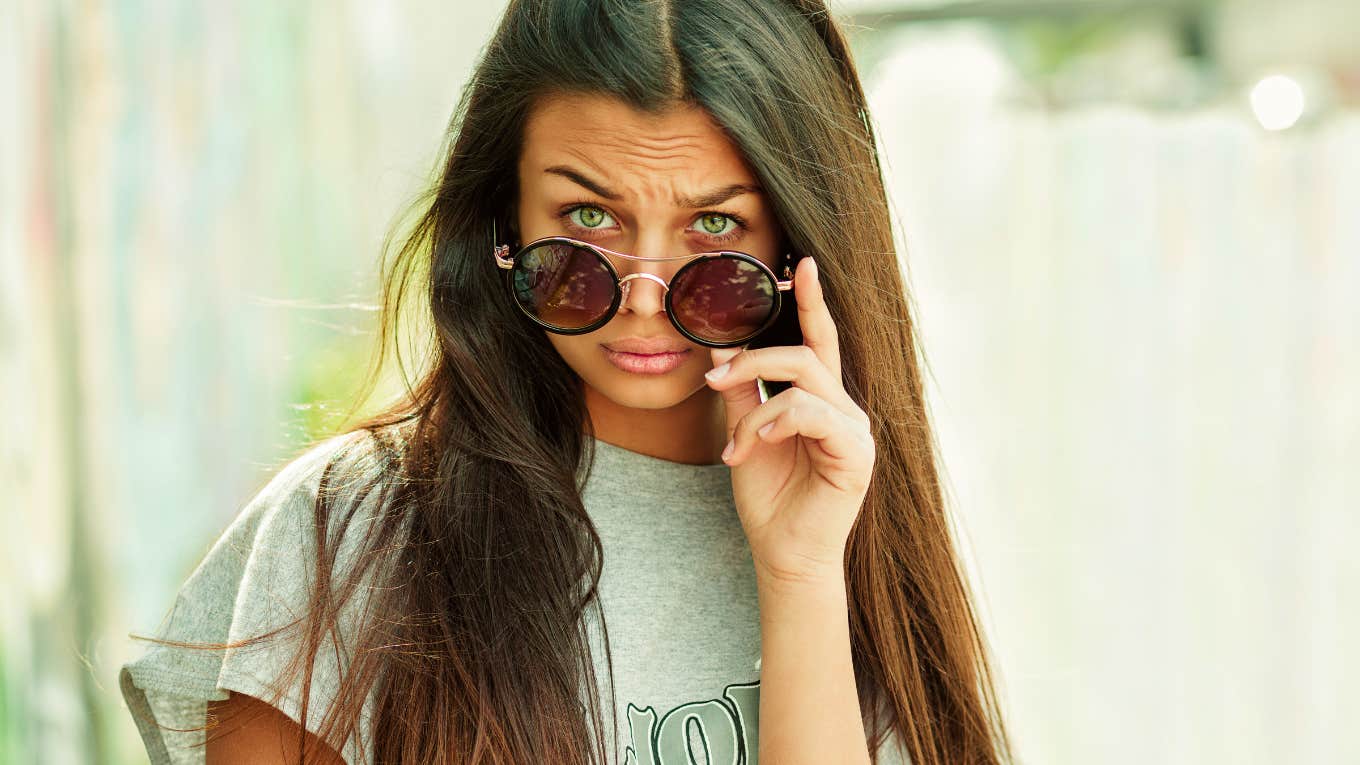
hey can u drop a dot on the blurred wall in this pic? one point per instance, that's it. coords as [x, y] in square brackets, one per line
[195, 196]
[1144, 333]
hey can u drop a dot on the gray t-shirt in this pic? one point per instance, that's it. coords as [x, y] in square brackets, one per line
[677, 590]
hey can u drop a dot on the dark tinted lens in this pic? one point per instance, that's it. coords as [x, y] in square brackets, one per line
[722, 299]
[563, 285]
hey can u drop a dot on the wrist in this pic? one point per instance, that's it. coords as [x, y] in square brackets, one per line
[817, 582]
[801, 609]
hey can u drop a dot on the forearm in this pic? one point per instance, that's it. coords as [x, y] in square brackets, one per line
[809, 710]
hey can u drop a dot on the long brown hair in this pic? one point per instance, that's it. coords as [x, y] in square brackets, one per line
[473, 649]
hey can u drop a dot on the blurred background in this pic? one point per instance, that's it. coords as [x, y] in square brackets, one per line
[1133, 236]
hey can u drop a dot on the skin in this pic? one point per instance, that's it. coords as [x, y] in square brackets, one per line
[252, 732]
[651, 162]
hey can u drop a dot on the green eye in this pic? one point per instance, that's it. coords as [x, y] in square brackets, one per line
[590, 217]
[715, 223]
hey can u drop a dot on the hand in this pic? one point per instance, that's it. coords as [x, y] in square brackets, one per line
[802, 460]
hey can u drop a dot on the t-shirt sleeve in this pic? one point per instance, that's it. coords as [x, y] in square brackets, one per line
[255, 578]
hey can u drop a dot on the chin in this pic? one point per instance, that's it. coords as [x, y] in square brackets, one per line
[644, 391]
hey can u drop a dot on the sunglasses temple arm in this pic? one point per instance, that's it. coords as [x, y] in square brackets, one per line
[501, 251]
[786, 284]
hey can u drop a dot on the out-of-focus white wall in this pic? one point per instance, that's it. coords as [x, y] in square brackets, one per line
[193, 197]
[1144, 334]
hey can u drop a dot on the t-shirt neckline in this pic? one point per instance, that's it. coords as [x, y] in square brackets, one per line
[646, 463]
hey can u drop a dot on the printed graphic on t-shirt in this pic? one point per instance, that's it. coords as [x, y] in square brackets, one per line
[718, 731]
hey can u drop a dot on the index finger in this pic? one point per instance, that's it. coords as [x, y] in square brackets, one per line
[814, 318]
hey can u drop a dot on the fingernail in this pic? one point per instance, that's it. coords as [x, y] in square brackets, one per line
[716, 373]
[765, 428]
[727, 451]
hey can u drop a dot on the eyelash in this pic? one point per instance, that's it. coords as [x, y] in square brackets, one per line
[571, 207]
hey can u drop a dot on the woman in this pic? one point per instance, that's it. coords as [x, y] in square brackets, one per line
[702, 481]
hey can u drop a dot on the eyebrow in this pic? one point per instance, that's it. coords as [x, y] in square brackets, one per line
[707, 199]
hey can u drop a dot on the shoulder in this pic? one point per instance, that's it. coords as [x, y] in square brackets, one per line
[318, 500]
[257, 579]
[264, 555]
[342, 466]
[272, 535]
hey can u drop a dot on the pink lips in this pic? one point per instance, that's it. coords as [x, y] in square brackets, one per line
[646, 363]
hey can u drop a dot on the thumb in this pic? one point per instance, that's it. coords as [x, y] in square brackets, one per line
[738, 399]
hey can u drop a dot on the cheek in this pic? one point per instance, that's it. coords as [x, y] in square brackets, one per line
[776, 260]
[576, 350]
[586, 358]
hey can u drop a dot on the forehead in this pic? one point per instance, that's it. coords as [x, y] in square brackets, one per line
[663, 156]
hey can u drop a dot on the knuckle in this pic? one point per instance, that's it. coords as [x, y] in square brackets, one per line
[743, 425]
[870, 450]
[787, 395]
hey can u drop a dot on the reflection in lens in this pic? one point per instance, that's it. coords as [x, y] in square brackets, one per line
[562, 284]
[722, 299]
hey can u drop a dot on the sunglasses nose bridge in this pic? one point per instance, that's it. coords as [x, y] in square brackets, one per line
[625, 285]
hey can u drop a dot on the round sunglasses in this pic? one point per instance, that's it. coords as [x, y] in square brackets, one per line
[568, 286]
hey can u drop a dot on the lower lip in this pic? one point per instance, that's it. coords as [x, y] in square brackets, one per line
[646, 364]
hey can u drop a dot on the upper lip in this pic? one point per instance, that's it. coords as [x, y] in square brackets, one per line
[646, 346]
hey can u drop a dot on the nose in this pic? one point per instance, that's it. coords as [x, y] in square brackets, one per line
[644, 294]
[643, 282]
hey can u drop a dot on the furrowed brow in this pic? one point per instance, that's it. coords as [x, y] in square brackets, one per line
[718, 196]
[581, 180]
[706, 199]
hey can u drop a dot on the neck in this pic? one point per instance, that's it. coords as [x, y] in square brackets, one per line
[692, 432]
